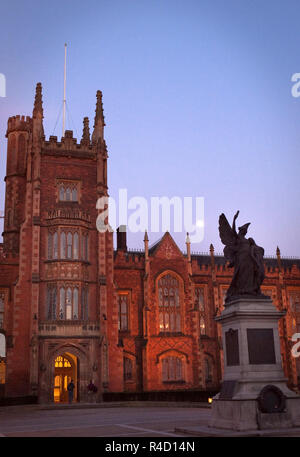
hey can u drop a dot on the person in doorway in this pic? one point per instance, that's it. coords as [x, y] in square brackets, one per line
[70, 388]
[92, 390]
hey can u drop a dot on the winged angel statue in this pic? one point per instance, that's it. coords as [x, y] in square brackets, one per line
[246, 258]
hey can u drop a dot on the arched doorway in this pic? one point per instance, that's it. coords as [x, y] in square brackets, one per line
[65, 369]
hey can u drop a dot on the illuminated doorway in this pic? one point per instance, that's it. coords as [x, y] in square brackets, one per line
[65, 369]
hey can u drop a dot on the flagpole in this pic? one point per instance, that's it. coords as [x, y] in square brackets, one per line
[64, 101]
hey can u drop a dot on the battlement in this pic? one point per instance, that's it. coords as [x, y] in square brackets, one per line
[18, 123]
[69, 144]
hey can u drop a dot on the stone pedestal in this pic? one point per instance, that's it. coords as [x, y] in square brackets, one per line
[254, 394]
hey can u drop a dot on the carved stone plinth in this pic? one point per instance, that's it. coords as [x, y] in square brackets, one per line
[254, 394]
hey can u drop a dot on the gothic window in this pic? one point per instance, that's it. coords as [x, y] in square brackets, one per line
[172, 369]
[1, 309]
[76, 246]
[55, 245]
[199, 299]
[68, 303]
[62, 362]
[84, 246]
[51, 302]
[63, 244]
[123, 312]
[202, 326]
[68, 192]
[169, 304]
[295, 301]
[128, 369]
[69, 245]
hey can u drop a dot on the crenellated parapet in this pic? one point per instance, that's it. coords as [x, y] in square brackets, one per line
[19, 123]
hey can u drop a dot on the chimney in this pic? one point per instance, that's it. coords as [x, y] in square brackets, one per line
[121, 238]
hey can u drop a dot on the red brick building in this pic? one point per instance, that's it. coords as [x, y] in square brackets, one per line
[73, 307]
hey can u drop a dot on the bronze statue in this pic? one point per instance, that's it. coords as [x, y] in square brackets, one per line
[246, 258]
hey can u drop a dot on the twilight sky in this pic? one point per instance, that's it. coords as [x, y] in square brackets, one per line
[197, 100]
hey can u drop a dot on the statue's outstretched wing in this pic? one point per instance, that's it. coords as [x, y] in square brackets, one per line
[228, 237]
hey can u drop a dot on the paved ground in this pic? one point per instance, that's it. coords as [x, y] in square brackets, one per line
[114, 420]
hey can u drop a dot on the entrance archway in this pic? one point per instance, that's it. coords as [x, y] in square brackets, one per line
[65, 369]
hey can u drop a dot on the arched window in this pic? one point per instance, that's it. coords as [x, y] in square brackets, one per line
[63, 245]
[75, 303]
[76, 246]
[62, 303]
[61, 192]
[69, 303]
[69, 245]
[123, 312]
[55, 245]
[169, 304]
[199, 298]
[74, 194]
[84, 246]
[68, 194]
[172, 369]
[202, 326]
[62, 362]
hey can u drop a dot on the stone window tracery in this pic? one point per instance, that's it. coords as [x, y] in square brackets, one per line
[169, 304]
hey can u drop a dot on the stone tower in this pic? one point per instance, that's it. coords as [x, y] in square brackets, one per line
[63, 314]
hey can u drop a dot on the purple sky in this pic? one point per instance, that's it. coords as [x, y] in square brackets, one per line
[197, 100]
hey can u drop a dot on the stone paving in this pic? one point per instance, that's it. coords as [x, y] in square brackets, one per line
[131, 419]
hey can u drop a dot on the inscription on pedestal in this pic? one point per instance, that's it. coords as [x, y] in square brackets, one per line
[261, 346]
[232, 347]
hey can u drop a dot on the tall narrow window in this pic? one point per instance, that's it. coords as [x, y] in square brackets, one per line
[75, 303]
[69, 303]
[76, 246]
[63, 244]
[61, 193]
[169, 304]
[172, 369]
[202, 326]
[62, 303]
[69, 245]
[74, 194]
[51, 302]
[199, 299]
[55, 246]
[123, 312]
[68, 194]
[84, 246]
